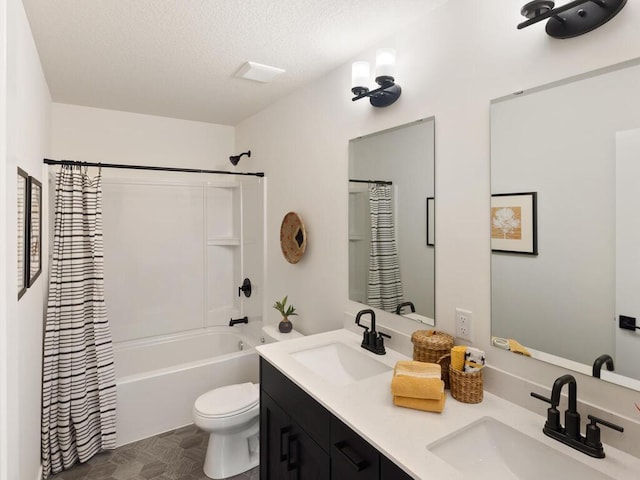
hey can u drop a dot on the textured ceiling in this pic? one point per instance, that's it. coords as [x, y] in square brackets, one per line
[177, 58]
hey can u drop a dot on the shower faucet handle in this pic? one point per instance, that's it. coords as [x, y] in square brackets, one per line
[245, 288]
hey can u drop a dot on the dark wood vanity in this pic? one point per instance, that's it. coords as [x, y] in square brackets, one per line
[302, 440]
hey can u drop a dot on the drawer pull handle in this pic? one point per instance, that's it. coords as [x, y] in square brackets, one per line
[283, 455]
[292, 462]
[352, 457]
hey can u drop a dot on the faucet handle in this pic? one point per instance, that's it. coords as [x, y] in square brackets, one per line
[384, 335]
[553, 415]
[595, 420]
[592, 438]
[540, 397]
[366, 329]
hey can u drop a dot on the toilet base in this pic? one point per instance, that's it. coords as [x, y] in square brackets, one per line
[229, 455]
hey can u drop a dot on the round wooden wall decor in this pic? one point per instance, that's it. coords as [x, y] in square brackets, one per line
[293, 237]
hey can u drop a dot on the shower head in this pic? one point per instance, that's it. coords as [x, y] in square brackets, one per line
[234, 159]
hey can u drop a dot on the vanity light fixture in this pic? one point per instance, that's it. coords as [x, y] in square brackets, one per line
[388, 91]
[234, 159]
[573, 18]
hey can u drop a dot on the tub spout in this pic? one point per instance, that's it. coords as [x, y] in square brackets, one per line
[235, 321]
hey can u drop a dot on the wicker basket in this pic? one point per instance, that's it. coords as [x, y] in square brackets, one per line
[445, 362]
[430, 345]
[466, 387]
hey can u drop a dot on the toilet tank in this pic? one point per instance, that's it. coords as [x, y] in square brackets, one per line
[271, 334]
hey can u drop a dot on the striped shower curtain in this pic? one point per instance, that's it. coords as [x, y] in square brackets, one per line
[384, 289]
[78, 391]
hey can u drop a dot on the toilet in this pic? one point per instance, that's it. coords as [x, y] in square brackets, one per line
[231, 416]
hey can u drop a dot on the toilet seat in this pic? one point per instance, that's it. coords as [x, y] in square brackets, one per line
[227, 401]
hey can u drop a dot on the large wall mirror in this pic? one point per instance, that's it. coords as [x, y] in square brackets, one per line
[576, 145]
[391, 220]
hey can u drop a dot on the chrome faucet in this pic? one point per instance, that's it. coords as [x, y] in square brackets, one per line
[371, 340]
[597, 365]
[570, 433]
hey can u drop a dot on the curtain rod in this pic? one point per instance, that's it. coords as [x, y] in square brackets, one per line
[377, 182]
[48, 161]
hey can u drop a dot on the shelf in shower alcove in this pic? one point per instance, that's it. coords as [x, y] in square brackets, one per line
[224, 241]
[356, 238]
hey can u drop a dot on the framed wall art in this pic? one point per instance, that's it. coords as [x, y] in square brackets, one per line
[514, 223]
[21, 230]
[431, 221]
[34, 233]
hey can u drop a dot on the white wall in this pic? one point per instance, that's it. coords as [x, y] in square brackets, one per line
[4, 257]
[450, 64]
[109, 136]
[28, 112]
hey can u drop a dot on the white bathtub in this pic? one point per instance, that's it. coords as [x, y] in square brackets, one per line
[158, 379]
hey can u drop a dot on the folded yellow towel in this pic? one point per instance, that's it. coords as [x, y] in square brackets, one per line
[421, 404]
[412, 387]
[412, 368]
[457, 357]
[516, 347]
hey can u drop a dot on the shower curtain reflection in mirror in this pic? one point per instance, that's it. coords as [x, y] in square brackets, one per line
[384, 286]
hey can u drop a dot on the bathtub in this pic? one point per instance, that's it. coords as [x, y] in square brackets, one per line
[159, 378]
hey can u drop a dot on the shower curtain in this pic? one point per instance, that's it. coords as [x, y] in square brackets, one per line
[384, 289]
[78, 391]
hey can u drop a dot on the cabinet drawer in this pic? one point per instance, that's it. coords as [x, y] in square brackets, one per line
[352, 457]
[309, 414]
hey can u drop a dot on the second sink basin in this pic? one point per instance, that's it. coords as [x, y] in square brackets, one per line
[489, 449]
[339, 364]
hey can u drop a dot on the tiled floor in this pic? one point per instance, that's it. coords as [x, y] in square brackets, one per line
[175, 455]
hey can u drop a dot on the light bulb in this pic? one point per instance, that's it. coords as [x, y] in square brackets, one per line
[359, 74]
[385, 62]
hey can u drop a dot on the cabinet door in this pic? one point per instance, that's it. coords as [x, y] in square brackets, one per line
[306, 460]
[352, 457]
[274, 440]
[390, 471]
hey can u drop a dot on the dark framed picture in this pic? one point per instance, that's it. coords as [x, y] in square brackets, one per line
[431, 221]
[514, 223]
[21, 233]
[34, 233]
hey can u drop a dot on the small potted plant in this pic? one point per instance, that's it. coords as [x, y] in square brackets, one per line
[286, 311]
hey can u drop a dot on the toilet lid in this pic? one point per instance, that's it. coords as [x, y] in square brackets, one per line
[229, 400]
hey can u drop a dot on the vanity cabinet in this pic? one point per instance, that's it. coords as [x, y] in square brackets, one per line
[295, 430]
[302, 440]
[351, 456]
[390, 471]
[288, 452]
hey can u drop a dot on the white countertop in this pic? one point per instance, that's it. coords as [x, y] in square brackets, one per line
[402, 434]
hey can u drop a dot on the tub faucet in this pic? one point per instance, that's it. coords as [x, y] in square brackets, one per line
[597, 365]
[235, 321]
[570, 433]
[371, 340]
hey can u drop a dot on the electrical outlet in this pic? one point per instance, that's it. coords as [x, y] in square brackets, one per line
[628, 323]
[463, 324]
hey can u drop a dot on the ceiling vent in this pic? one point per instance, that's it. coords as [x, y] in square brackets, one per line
[258, 72]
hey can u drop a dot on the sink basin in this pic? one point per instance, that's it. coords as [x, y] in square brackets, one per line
[489, 449]
[340, 364]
